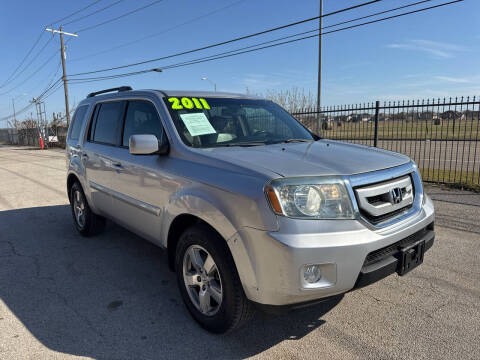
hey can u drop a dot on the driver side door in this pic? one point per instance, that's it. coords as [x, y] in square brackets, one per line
[139, 187]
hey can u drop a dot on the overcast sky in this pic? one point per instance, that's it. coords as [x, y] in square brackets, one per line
[430, 54]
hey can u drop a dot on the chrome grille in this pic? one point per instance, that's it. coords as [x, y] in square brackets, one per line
[384, 200]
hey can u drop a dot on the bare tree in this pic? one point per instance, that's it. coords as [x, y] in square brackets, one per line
[293, 99]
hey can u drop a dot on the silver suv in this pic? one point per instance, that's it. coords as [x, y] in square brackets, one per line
[252, 208]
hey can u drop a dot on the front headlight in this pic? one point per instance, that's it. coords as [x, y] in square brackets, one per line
[310, 198]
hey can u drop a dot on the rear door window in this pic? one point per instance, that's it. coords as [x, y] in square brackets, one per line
[77, 122]
[141, 118]
[109, 122]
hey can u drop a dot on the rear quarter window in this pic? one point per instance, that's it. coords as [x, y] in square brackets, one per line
[77, 122]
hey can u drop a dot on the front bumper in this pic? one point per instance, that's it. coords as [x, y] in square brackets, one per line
[270, 263]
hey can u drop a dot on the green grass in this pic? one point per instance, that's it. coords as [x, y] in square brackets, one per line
[467, 180]
[446, 130]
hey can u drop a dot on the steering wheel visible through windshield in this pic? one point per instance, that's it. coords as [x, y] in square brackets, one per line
[213, 122]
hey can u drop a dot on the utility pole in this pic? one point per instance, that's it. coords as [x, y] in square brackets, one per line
[64, 77]
[319, 85]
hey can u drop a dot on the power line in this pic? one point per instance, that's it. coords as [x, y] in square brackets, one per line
[31, 75]
[51, 77]
[158, 33]
[377, 13]
[35, 72]
[93, 12]
[18, 112]
[75, 12]
[240, 51]
[10, 78]
[100, 78]
[350, 8]
[43, 95]
[64, 69]
[29, 63]
[395, 16]
[148, 5]
[118, 17]
[220, 56]
[56, 73]
[23, 60]
[257, 48]
[52, 92]
[56, 83]
[224, 42]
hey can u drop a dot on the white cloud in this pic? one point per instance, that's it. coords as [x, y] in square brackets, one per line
[435, 48]
[261, 80]
[452, 79]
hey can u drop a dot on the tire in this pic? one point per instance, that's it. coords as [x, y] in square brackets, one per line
[89, 223]
[234, 309]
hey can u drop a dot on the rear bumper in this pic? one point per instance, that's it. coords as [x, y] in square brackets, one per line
[270, 264]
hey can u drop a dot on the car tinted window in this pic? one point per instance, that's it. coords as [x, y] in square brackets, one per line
[212, 122]
[77, 122]
[261, 120]
[108, 122]
[91, 126]
[141, 118]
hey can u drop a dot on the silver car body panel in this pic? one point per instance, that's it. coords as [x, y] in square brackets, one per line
[225, 188]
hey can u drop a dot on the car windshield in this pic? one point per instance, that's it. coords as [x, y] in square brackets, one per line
[214, 122]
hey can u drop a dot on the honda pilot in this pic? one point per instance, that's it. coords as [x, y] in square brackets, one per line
[252, 208]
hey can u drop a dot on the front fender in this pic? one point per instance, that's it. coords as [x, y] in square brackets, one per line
[215, 209]
[195, 203]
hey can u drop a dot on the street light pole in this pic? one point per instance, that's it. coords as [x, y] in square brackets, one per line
[64, 77]
[319, 84]
[13, 104]
[14, 118]
[211, 82]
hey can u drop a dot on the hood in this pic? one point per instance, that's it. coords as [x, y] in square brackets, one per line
[318, 158]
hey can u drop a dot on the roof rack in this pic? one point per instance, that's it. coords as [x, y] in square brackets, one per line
[121, 88]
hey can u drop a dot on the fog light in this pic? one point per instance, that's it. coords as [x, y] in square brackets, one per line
[312, 274]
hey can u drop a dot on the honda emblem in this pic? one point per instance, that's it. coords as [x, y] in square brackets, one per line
[396, 196]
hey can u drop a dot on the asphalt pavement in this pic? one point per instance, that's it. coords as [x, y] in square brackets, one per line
[63, 296]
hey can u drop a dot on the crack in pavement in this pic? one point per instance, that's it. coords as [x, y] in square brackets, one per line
[36, 262]
[67, 304]
[37, 274]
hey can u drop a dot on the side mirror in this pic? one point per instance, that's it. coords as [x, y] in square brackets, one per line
[143, 144]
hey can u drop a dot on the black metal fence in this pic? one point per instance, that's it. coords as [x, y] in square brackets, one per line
[441, 135]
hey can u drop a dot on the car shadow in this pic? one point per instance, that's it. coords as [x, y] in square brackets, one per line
[113, 296]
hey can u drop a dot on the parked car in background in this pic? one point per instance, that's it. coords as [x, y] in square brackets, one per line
[252, 208]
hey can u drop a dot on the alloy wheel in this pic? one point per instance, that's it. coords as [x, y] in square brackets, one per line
[79, 208]
[202, 280]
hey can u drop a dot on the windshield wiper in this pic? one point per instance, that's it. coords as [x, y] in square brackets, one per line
[294, 140]
[243, 144]
[253, 143]
[259, 143]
